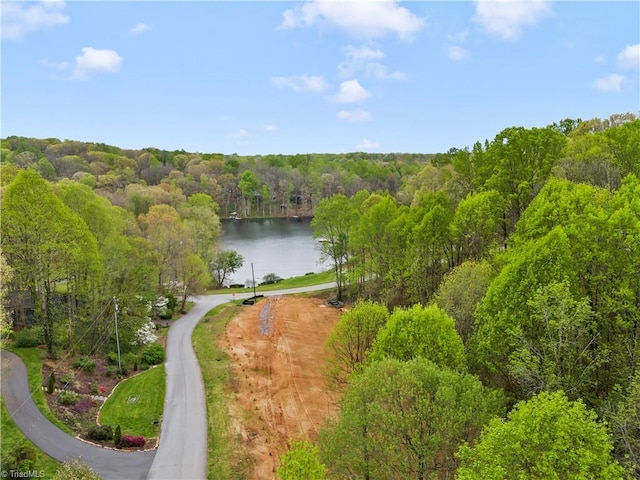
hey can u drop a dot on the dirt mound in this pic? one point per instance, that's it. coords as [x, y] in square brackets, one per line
[277, 351]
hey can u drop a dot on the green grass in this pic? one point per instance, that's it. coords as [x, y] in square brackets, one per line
[12, 440]
[32, 357]
[223, 461]
[293, 282]
[136, 403]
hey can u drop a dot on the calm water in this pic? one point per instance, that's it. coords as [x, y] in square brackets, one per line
[275, 245]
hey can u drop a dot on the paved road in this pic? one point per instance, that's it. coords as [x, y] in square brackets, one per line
[109, 464]
[182, 452]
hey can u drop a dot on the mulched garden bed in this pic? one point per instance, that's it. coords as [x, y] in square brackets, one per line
[91, 389]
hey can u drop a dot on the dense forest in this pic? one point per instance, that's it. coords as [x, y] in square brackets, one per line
[495, 331]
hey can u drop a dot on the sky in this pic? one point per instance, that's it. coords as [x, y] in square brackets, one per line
[264, 77]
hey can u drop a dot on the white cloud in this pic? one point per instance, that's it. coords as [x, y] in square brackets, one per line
[357, 115]
[240, 134]
[629, 57]
[381, 71]
[140, 28]
[19, 18]
[610, 83]
[356, 58]
[457, 53]
[507, 18]
[93, 60]
[302, 83]
[56, 65]
[269, 127]
[600, 59]
[350, 92]
[459, 37]
[367, 145]
[360, 18]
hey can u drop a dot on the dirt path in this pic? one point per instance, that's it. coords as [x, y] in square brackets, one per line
[277, 349]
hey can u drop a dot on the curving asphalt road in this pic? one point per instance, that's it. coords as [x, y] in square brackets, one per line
[109, 464]
[182, 452]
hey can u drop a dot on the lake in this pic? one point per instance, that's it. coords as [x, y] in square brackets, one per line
[283, 246]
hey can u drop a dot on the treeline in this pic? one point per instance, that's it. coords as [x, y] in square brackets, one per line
[269, 185]
[69, 256]
[512, 350]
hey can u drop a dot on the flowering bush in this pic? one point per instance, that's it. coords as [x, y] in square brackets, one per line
[102, 389]
[84, 405]
[145, 335]
[131, 441]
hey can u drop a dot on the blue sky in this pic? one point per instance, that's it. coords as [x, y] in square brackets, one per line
[318, 76]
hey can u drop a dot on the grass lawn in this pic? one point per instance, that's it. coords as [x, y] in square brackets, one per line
[32, 357]
[293, 282]
[14, 443]
[223, 461]
[136, 403]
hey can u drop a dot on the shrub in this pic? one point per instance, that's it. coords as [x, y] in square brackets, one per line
[112, 358]
[270, 278]
[29, 337]
[117, 436]
[84, 405]
[85, 364]
[67, 378]
[74, 468]
[21, 458]
[68, 398]
[131, 441]
[51, 386]
[100, 432]
[111, 370]
[152, 354]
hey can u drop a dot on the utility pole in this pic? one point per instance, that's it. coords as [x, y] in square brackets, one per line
[115, 313]
[253, 276]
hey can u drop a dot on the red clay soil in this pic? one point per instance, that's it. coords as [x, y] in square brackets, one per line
[277, 350]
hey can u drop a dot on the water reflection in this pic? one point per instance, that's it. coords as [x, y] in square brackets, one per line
[283, 246]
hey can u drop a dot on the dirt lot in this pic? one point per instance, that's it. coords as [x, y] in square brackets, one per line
[277, 349]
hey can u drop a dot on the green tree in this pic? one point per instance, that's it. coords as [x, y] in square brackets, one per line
[249, 185]
[351, 338]
[461, 291]
[564, 356]
[504, 317]
[547, 437]
[301, 463]
[331, 224]
[519, 161]
[193, 277]
[45, 242]
[430, 247]
[425, 332]
[623, 417]
[164, 229]
[405, 420]
[476, 224]
[224, 263]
